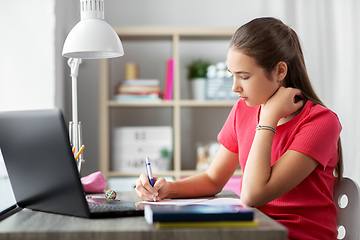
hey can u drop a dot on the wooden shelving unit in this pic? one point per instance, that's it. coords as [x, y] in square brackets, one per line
[175, 36]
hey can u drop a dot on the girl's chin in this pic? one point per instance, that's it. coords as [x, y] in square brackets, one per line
[251, 104]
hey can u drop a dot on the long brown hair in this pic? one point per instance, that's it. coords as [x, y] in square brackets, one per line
[269, 41]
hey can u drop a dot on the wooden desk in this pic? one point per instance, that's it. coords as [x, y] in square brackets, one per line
[28, 224]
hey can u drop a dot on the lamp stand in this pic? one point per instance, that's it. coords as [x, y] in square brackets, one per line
[75, 132]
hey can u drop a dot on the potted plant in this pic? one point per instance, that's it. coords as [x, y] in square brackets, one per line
[197, 71]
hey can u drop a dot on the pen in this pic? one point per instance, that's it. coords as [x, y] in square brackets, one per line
[80, 151]
[149, 173]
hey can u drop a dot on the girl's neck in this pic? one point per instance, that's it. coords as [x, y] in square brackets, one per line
[288, 118]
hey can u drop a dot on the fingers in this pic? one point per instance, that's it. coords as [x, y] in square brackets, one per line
[300, 103]
[300, 94]
[298, 98]
[160, 182]
[283, 103]
[292, 93]
[144, 190]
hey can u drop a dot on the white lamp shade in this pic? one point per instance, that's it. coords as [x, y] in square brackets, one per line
[92, 39]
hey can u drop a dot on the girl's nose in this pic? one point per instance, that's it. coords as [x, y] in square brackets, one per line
[236, 87]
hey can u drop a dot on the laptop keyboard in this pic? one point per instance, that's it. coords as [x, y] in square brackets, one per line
[103, 207]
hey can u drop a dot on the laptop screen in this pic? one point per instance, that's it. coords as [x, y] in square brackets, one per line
[7, 199]
[40, 163]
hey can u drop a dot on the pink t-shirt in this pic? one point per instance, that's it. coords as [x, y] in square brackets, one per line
[308, 210]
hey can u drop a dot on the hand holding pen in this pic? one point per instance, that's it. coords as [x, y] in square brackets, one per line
[150, 188]
[149, 173]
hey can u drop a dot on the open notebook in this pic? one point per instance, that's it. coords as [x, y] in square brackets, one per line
[42, 169]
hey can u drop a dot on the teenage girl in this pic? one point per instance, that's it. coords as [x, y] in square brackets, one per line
[286, 141]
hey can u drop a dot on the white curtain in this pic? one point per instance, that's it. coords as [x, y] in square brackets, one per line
[329, 32]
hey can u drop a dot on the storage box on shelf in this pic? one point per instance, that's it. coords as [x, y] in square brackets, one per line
[182, 114]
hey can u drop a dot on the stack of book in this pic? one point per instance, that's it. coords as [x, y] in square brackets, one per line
[138, 90]
[172, 216]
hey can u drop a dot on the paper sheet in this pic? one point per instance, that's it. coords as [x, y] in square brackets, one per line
[224, 201]
[184, 202]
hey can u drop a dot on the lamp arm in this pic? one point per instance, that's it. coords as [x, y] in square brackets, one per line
[75, 138]
[74, 64]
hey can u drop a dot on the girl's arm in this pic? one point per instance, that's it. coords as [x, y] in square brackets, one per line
[207, 183]
[261, 182]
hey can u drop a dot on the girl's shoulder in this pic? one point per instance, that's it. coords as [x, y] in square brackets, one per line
[316, 112]
[316, 109]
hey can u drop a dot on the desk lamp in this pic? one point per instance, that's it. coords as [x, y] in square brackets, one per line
[91, 38]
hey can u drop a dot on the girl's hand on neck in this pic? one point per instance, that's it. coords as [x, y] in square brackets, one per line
[281, 107]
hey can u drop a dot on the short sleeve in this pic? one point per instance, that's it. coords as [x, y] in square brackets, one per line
[318, 135]
[227, 136]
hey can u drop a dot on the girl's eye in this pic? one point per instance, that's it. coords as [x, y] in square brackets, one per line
[245, 78]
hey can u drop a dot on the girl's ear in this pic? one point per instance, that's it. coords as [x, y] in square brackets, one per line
[281, 71]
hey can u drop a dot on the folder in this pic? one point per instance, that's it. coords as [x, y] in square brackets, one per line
[213, 224]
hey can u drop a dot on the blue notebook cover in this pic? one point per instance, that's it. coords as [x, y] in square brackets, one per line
[195, 213]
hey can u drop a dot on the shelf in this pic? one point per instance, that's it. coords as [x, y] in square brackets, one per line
[182, 103]
[118, 174]
[190, 119]
[141, 104]
[184, 173]
[207, 103]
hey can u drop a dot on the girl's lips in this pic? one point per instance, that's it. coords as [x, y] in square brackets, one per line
[243, 98]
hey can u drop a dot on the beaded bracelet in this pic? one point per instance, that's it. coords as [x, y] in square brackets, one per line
[260, 127]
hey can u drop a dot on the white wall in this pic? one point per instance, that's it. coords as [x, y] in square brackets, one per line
[27, 46]
[27, 63]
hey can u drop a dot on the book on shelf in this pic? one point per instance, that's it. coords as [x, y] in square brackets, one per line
[169, 79]
[135, 97]
[138, 90]
[141, 82]
[211, 224]
[197, 213]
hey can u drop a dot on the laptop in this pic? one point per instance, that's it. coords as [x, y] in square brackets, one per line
[7, 200]
[42, 170]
